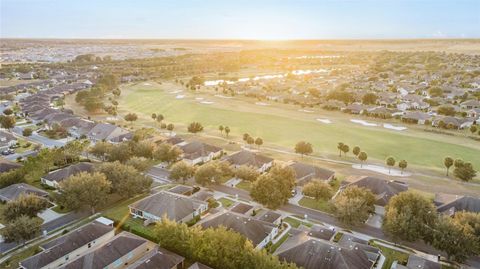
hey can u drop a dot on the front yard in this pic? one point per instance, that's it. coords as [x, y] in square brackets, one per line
[320, 205]
[121, 216]
[391, 255]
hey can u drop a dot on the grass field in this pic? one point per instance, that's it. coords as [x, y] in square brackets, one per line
[284, 126]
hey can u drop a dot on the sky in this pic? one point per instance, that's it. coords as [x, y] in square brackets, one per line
[241, 19]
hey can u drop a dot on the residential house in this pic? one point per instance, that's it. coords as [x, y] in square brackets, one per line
[241, 208]
[198, 152]
[320, 232]
[77, 127]
[6, 140]
[470, 104]
[248, 158]
[417, 262]
[70, 246]
[109, 133]
[182, 189]
[119, 252]
[417, 117]
[174, 206]
[54, 178]
[353, 242]
[312, 253]
[381, 188]
[306, 172]
[270, 217]
[14, 191]
[6, 166]
[175, 140]
[159, 258]
[203, 195]
[257, 231]
[355, 108]
[449, 204]
[474, 113]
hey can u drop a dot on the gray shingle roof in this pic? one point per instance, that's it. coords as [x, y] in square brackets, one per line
[311, 253]
[6, 166]
[305, 172]
[268, 216]
[13, 191]
[106, 131]
[63, 173]
[159, 259]
[103, 256]
[248, 158]
[253, 229]
[175, 206]
[415, 262]
[66, 244]
[241, 208]
[450, 204]
[381, 188]
[196, 149]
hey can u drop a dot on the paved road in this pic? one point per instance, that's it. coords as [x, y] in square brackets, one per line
[330, 220]
[36, 138]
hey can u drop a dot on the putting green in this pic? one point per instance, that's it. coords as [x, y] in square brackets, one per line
[285, 127]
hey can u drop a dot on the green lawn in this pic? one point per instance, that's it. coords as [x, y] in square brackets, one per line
[295, 223]
[244, 185]
[392, 255]
[284, 127]
[275, 246]
[320, 205]
[337, 237]
[226, 202]
[120, 214]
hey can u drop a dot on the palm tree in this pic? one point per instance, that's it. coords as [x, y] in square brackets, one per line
[340, 147]
[221, 128]
[227, 130]
[390, 161]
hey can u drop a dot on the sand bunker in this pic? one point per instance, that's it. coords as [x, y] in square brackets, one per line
[223, 96]
[306, 111]
[393, 127]
[180, 96]
[261, 104]
[364, 123]
[206, 102]
[326, 121]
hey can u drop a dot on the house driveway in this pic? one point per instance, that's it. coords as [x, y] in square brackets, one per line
[49, 215]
